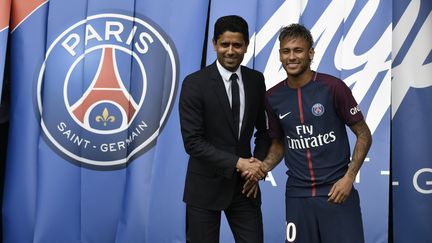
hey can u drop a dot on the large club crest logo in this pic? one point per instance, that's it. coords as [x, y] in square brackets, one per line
[106, 88]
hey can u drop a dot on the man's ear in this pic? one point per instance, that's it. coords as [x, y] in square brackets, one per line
[311, 53]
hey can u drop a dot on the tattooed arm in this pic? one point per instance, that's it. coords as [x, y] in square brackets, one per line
[274, 156]
[342, 188]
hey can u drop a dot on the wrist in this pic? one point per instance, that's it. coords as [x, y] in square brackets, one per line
[351, 176]
[266, 166]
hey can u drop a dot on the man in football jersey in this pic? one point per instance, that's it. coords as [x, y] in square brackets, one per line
[307, 115]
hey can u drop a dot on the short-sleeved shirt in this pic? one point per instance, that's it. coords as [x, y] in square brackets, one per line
[310, 121]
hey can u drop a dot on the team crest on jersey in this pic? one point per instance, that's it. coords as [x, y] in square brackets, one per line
[317, 109]
[106, 88]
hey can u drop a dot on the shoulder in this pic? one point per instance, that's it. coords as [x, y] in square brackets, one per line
[330, 81]
[253, 79]
[251, 72]
[200, 75]
[276, 88]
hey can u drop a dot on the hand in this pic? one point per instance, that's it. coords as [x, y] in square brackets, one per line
[251, 169]
[248, 185]
[247, 175]
[341, 190]
[250, 188]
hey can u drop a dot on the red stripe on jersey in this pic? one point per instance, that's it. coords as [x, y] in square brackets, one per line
[312, 174]
[308, 154]
[22, 10]
[300, 105]
[4, 13]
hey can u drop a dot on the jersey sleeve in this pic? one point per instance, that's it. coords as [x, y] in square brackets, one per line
[274, 128]
[346, 105]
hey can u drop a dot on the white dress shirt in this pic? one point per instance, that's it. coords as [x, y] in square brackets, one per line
[227, 82]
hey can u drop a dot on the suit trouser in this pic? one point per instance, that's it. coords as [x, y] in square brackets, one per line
[243, 215]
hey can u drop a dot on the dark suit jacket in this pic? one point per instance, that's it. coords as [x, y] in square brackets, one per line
[207, 128]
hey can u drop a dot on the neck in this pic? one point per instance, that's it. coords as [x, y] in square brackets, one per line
[297, 81]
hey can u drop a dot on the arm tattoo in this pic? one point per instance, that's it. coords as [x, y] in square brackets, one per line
[274, 155]
[361, 148]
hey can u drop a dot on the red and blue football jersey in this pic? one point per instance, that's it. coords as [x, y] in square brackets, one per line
[310, 121]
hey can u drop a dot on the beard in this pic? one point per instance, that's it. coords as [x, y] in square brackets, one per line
[305, 66]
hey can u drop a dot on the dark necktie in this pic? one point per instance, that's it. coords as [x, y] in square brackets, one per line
[235, 105]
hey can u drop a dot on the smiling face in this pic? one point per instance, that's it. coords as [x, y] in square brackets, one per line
[230, 48]
[295, 56]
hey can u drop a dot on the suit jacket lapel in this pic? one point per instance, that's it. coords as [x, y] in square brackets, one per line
[248, 95]
[219, 89]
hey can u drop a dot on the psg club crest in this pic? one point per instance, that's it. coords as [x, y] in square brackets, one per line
[317, 109]
[106, 88]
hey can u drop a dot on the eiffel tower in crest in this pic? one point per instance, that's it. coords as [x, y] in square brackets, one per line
[106, 86]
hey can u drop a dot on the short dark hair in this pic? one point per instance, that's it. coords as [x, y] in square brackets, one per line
[231, 23]
[295, 31]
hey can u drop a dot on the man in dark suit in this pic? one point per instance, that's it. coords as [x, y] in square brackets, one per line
[220, 106]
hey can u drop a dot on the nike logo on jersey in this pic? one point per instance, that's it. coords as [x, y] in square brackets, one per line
[284, 115]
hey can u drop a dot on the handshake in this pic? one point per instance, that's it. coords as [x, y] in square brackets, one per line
[252, 170]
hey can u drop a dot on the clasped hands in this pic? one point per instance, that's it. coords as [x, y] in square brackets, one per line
[252, 170]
